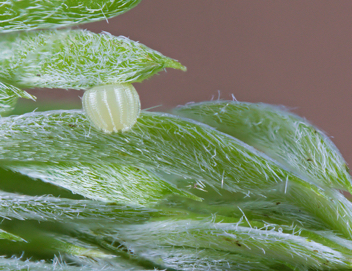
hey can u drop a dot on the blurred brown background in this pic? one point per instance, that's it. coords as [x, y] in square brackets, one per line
[296, 53]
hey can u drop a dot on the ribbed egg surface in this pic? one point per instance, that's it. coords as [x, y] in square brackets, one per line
[112, 108]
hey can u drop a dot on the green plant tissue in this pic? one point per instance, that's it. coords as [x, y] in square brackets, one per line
[76, 59]
[220, 185]
[18, 15]
[162, 142]
[9, 95]
[280, 134]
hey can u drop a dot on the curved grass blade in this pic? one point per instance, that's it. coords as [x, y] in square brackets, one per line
[47, 208]
[271, 209]
[284, 136]
[115, 264]
[131, 185]
[162, 142]
[95, 259]
[158, 141]
[50, 243]
[27, 15]
[14, 182]
[15, 263]
[189, 259]
[176, 257]
[265, 244]
[105, 182]
[4, 235]
[9, 95]
[46, 242]
[196, 259]
[96, 236]
[76, 59]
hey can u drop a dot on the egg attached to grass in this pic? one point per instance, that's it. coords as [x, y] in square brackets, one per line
[112, 108]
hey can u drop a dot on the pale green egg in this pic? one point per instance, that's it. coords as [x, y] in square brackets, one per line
[112, 108]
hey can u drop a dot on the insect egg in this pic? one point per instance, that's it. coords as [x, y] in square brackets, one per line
[112, 108]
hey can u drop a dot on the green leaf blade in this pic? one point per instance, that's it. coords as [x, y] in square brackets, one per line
[9, 95]
[28, 15]
[161, 142]
[104, 182]
[4, 235]
[48, 208]
[268, 244]
[280, 134]
[77, 59]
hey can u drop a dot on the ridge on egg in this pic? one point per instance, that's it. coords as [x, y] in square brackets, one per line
[112, 108]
